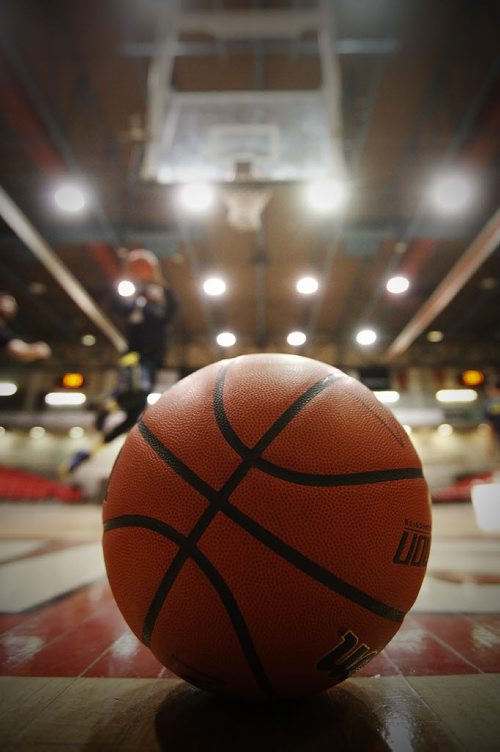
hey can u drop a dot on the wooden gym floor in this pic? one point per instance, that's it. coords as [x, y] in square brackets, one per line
[74, 678]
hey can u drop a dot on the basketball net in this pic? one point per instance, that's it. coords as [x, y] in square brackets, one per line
[245, 207]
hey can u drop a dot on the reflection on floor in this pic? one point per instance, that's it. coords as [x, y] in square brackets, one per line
[75, 678]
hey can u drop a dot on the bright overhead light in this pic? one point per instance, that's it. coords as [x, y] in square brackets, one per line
[435, 336]
[70, 198]
[7, 388]
[197, 197]
[214, 286]
[63, 399]
[296, 339]
[326, 195]
[451, 193]
[307, 285]
[153, 397]
[456, 395]
[397, 285]
[88, 340]
[76, 432]
[226, 339]
[387, 396]
[444, 429]
[366, 337]
[126, 288]
[37, 432]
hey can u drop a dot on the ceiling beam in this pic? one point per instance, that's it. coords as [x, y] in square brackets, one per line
[13, 216]
[476, 254]
[52, 126]
[302, 48]
[166, 242]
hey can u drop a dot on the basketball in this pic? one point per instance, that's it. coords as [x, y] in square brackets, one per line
[141, 265]
[266, 527]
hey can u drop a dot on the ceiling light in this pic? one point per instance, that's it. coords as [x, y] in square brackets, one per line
[37, 432]
[307, 285]
[63, 399]
[451, 193]
[326, 195]
[126, 288]
[366, 337]
[76, 432]
[197, 197]
[456, 395]
[435, 336]
[70, 198]
[7, 388]
[445, 429]
[226, 339]
[397, 285]
[214, 286]
[37, 288]
[153, 397]
[386, 396]
[296, 339]
[488, 283]
[88, 340]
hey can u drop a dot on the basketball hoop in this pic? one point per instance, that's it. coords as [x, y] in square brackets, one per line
[245, 206]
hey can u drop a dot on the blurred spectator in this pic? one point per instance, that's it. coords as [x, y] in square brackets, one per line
[13, 345]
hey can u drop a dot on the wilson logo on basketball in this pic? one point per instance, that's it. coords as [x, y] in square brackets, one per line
[346, 657]
[414, 547]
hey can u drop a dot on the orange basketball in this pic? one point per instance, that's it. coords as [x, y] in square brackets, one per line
[141, 265]
[266, 527]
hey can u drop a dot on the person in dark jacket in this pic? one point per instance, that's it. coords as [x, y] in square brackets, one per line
[149, 312]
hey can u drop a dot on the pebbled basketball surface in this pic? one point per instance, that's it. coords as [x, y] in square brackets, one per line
[266, 526]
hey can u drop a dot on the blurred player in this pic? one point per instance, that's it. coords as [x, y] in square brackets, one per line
[149, 311]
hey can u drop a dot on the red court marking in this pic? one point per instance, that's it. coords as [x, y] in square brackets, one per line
[448, 575]
[76, 649]
[417, 652]
[476, 638]
[84, 633]
[381, 664]
[128, 658]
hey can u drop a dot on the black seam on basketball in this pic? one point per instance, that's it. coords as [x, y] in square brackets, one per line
[234, 441]
[175, 463]
[295, 476]
[368, 477]
[215, 578]
[221, 502]
[400, 439]
[310, 567]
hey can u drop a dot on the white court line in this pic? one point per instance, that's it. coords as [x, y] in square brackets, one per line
[28, 582]
[11, 549]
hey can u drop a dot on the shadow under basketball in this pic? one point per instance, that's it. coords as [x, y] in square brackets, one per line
[337, 720]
